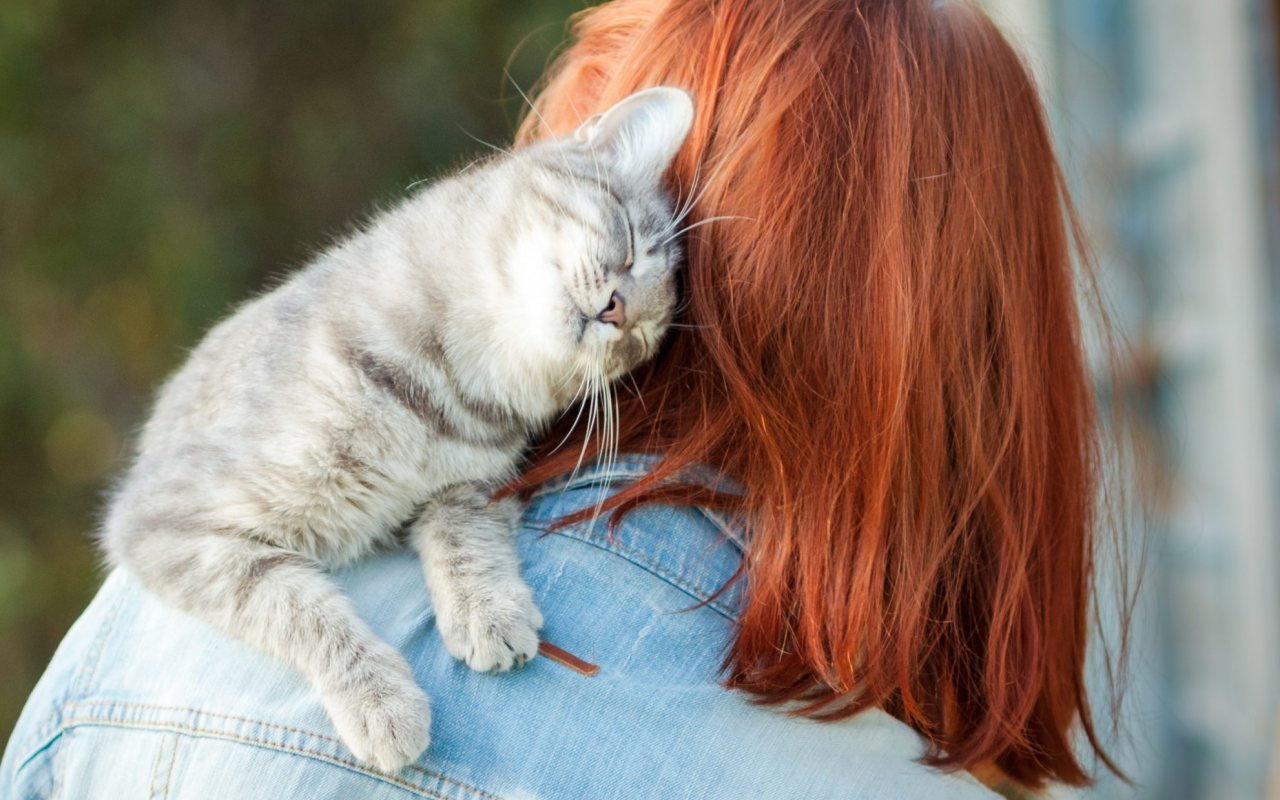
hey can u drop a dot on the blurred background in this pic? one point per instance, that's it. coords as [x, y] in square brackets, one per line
[160, 161]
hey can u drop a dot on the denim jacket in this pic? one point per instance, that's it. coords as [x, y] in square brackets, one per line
[141, 701]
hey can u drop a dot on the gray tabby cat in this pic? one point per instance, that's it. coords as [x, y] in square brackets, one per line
[392, 385]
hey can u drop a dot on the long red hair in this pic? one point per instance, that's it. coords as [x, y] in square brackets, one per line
[883, 347]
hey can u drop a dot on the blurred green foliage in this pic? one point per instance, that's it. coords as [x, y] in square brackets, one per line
[158, 163]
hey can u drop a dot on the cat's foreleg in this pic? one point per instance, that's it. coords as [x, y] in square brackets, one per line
[484, 608]
[282, 603]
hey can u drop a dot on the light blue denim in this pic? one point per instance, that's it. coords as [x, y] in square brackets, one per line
[141, 701]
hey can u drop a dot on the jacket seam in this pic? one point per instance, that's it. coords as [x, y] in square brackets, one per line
[630, 471]
[191, 710]
[168, 745]
[195, 730]
[633, 556]
[73, 708]
[86, 675]
[156, 762]
[732, 532]
[59, 769]
[45, 735]
[51, 729]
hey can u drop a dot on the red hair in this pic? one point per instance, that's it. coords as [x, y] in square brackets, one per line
[884, 350]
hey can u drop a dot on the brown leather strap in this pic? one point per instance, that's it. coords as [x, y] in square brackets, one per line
[565, 658]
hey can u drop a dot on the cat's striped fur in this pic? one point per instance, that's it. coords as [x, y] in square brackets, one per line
[390, 386]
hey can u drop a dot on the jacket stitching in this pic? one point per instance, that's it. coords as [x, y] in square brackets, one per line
[49, 730]
[165, 753]
[84, 680]
[44, 735]
[681, 580]
[464, 786]
[697, 593]
[173, 759]
[266, 743]
[155, 769]
[732, 528]
[277, 726]
[190, 710]
[722, 524]
[732, 531]
[61, 773]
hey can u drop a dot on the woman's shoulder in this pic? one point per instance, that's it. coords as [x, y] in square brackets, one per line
[142, 699]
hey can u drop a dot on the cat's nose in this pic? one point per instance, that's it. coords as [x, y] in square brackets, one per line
[616, 312]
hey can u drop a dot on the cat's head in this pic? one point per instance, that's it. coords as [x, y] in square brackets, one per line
[593, 253]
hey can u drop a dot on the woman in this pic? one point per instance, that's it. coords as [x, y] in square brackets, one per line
[860, 487]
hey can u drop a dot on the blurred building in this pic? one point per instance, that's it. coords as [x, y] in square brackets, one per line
[1166, 116]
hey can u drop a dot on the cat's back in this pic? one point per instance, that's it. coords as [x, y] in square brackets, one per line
[271, 426]
[243, 373]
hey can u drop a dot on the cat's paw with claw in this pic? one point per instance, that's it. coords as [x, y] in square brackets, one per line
[493, 629]
[381, 714]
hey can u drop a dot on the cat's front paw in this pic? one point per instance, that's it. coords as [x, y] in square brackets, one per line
[381, 714]
[493, 629]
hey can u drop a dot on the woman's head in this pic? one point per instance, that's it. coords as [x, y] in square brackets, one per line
[881, 343]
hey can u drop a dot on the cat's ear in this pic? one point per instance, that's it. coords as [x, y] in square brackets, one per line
[641, 133]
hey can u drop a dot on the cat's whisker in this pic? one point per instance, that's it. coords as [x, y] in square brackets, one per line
[635, 387]
[478, 140]
[528, 102]
[582, 382]
[682, 203]
[607, 456]
[609, 425]
[595, 161]
[564, 160]
[563, 383]
[688, 207]
[690, 203]
[617, 431]
[688, 326]
[593, 399]
[685, 202]
[702, 222]
[606, 418]
[603, 465]
[602, 177]
[541, 119]
[610, 401]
